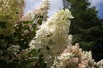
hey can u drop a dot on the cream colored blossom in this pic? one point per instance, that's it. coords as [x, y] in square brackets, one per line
[100, 64]
[13, 49]
[74, 57]
[10, 13]
[42, 10]
[70, 37]
[87, 55]
[52, 35]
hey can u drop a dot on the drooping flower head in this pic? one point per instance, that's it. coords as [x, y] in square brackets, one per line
[52, 35]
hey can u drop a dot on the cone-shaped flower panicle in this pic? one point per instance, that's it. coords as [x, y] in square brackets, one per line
[42, 10]
[52, 35]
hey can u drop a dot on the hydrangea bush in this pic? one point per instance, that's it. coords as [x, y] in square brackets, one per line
[35, 41]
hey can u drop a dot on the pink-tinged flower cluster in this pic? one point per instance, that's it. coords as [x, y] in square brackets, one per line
[42, 10]
[74, 57]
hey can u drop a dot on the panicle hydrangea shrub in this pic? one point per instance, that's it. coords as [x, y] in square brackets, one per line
[49, 44]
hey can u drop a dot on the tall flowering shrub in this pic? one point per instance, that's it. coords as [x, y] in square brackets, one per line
[36, 41]
[14, 43]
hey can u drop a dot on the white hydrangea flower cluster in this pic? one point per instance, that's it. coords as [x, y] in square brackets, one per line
[74, 57]
[10, 13]
[14, 49]
[42, 10]
[52, 35]
[100, 64]
[62, 59]
[11, 51]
